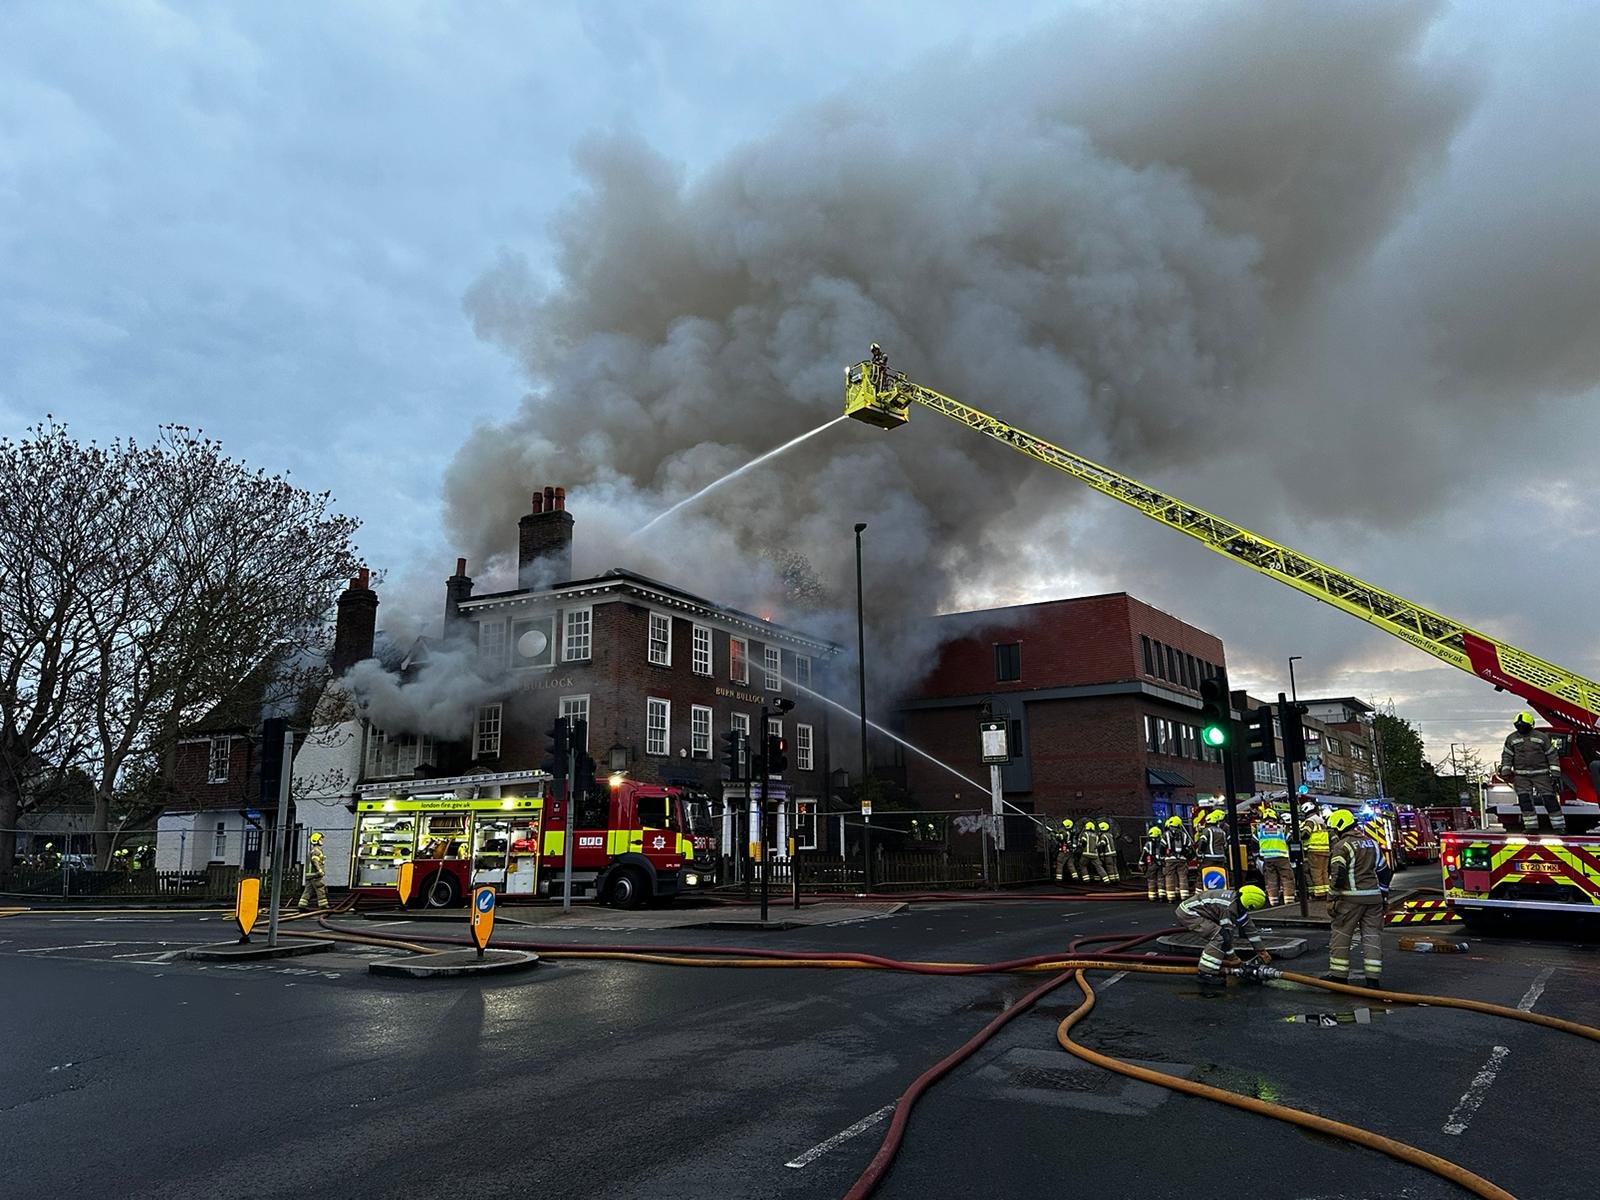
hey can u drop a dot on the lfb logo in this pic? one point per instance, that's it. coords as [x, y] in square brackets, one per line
[658, 842]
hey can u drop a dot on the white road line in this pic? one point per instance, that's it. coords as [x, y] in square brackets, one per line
[1113, 979]
[844, 1135]
[1535, 990]
[1461, 1116]
[73, 946]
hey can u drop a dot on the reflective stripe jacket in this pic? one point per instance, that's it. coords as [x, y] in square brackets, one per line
[1213, 842]
[1088, 841]
[1530, 755]
[1354, 869]
[1317, 837]
[1150, 851]
[1175, 843]
[1224, 908]
[316, 863]
[1271, 841]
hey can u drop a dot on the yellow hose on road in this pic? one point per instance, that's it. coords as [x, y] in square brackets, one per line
[1478, 1006]
[1442, 1167]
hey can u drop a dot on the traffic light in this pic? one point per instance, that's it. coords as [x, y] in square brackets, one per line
[1216, 716]
[1294, 731]
[273, 732]
[555, 759]
[1260, 744]
[733, 752]
[777, 754]
[578, 746]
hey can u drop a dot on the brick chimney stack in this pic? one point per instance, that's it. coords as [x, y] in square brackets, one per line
[544, 541]
[456, 589]
[356, 624]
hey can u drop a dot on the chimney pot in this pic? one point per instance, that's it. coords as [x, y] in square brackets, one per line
[561, 499]
[362, 576]
[461, 566]
[544, 541]
[549, 499]
[538, 502]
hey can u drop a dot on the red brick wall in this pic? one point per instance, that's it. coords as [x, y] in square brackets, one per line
[192, 764]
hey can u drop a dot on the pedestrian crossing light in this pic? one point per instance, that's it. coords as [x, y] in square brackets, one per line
[1215, 714]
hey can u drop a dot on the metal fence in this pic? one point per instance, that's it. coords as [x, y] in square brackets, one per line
[907, 871]
[212, 884]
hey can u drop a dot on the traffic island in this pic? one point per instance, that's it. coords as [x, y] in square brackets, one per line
[454, 962]
[1278, 947]
[243, 951]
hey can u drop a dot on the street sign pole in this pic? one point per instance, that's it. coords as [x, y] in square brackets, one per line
[1284, 715]
[997, 809]
[280, 848]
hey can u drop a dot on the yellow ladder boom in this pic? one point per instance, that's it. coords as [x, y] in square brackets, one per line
[881, 397]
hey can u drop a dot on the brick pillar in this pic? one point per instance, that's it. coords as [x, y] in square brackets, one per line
[544, 541]
[355, 625]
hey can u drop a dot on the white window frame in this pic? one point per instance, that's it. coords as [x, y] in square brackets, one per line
[584, 639]
[216, 761]
[486, 731]
[802, 670]
[700, 654]
[803, 742]
[742, 658]
[650, 640]
[575, 708]
[807, 821]
[772, 667]
[492, 643]
[219, 843]
[699, 731]
[740, 722]
[653, 705]
[376, 740]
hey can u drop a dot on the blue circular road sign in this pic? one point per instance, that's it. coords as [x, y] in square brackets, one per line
[485, 900]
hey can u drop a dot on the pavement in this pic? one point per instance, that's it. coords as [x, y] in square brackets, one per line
[725, 915]
[123, 1061]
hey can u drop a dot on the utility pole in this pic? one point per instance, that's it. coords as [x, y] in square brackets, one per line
[861, 670]
[280, 848]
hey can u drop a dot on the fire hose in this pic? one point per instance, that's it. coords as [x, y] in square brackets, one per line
[1117, 958]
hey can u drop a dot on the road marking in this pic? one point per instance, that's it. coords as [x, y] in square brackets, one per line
[1535, 990]
[73, 946]
[1461, 1115]
[1113, 979]
[844, 1135]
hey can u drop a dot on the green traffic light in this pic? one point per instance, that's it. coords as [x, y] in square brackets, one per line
[1214, 735]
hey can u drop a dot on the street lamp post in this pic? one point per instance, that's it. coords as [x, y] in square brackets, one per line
[861, 670]
[1293, 794]
[1294, 695]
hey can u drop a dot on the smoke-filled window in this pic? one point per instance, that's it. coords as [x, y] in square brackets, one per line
[492, 643]
[802, 670]
[657, 719]
[661, 639]
[802, 748]
[773, 659]
[700, 731]
[576, 642]
[486, 740]
[700, 658]
[738, 660]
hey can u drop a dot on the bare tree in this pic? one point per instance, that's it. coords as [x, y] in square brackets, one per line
[153, 582]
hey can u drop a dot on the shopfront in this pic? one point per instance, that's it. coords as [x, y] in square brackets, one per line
[456, 844]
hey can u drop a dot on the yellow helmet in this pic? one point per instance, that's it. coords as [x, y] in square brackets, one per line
[1252, 897]
[1174, 822]
[1218, 816]
[1524, 720]
[1340, 819]
[1066, 822]
[315, 838]
[1153, 831]
[1105, 826]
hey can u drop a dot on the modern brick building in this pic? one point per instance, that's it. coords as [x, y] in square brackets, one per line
[1341, 759]
[1103, 698]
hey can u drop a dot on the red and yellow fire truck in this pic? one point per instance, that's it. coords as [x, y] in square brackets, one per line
[1418, 842]
[634, 843]
[1488, 872]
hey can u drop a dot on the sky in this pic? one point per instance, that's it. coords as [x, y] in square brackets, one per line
[1329, 270]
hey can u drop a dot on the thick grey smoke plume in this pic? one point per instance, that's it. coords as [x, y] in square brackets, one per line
[1127, 239]
[440, 698]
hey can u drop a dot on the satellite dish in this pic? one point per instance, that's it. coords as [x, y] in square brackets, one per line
[532, 644]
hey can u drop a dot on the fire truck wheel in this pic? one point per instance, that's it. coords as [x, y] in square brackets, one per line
[629, 889]
[439, 891]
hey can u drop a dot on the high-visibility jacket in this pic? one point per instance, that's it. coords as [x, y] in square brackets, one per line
[316, 863]
[1223, 907]
[1271, 841]
[1317, 840]
[1355, 869]
[1530, 759]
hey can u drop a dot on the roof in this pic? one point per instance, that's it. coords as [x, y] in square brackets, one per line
[616, 578]
[1159, 778]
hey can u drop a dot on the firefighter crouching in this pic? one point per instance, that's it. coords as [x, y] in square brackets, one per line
[1359, 887]
[1530, 763]
[1175, 859]
[1315, 830]
[1150, 862]
[1272, 845]
[316, 888]
[1212, 849]
[1218, 917]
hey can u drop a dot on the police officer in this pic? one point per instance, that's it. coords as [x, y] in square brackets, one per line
[1155, 887]
[1360, 891]
[1530, 762]
[1217, 917]
[1314, 828]
[1272, 844]
[316, 872]
[1175, 850]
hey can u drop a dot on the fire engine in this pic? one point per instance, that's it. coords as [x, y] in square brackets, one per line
[634, 843]
[1569, 702]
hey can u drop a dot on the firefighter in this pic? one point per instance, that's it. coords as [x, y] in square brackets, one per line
[1175, 859]
[1217, 917]
[1359, 893]
[315, 888]
[1089, 853]
[1212, 846]
[880, 367]
[1066, 863]
[1150, 862]
[1272, 844]
[1314, 829]
[1106, 844]
[1530, 762]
